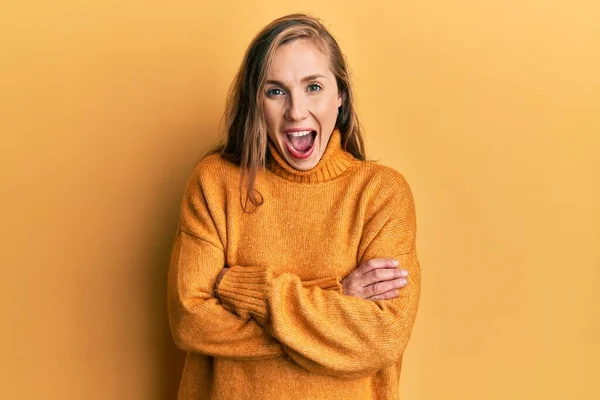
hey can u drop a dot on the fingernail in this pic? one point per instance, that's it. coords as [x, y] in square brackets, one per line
[396, 263]
[404, 272]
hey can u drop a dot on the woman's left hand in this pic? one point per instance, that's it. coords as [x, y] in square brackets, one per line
[375, 279]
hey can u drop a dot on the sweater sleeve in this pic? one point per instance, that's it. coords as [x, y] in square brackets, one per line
[199, 322]
[325, 331]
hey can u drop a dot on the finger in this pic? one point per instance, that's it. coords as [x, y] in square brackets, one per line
[384, 287]
[392, 294]
[382, 275]
[376, 263]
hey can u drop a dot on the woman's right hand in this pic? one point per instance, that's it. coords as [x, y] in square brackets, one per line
[375, 279]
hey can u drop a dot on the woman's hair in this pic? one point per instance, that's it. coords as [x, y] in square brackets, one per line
[244, 122]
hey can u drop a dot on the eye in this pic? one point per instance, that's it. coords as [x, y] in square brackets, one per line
[274, 92]
[314, 87]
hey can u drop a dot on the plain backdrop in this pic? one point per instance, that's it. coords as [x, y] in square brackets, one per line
[491, 110]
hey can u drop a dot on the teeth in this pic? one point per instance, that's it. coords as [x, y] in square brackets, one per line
[300, 133]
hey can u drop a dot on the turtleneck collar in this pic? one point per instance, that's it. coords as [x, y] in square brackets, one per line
[331, 165]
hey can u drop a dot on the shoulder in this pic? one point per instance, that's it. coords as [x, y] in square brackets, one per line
[383, 186]
[205, 194]
[213, 168]
[209, 183]
[211, 173]
[385, 178]
[388, 206]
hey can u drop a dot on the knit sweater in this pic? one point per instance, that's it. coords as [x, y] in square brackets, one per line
[280, 326]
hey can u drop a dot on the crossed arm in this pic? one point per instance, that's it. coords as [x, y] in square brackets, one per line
[199, 321]
[259, 315]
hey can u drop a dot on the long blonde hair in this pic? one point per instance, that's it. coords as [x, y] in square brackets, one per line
[244, 123]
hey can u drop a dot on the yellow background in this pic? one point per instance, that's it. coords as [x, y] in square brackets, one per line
[489, 108]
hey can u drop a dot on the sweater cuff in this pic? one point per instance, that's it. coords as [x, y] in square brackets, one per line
[244, 289]
[327, 283]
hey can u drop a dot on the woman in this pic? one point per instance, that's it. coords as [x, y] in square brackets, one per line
[270, 224]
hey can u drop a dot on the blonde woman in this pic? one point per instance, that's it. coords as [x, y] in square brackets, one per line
[294, 272]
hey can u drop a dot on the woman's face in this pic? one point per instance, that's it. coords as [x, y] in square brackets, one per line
[301, 102]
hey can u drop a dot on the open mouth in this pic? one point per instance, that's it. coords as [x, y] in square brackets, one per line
[300, 144]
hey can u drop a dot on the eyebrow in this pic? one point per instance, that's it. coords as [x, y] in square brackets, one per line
[305, 79]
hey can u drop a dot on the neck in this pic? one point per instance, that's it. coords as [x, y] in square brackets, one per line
[333, 163]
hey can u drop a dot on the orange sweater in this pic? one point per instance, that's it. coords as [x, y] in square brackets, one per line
[282, 328]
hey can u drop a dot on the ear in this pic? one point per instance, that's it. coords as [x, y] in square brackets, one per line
[339, 100]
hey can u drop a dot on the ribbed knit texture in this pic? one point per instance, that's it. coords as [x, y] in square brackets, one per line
[281, 327]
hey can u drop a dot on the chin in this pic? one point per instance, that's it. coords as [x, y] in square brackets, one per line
[304, 165]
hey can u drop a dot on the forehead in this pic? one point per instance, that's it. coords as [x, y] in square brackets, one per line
[297, 59]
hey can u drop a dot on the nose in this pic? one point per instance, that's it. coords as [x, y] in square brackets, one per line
[296, 108]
